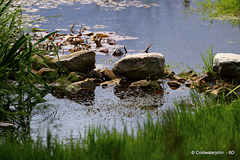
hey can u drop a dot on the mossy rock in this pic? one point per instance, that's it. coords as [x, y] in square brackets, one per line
[48, 74]
[41, 62]
[61, 83]
[74, 77]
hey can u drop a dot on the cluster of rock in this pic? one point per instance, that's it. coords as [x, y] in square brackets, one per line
[77, 71]
[223, 81]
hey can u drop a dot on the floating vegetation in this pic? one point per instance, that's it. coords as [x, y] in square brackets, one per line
[105, 4]
[101, 42]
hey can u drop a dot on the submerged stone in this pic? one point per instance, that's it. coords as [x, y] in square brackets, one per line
[62, 82]
[142, 83]
[77, 86]
[74, 77]
[148, 85]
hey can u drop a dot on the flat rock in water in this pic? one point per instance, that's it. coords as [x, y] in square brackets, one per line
[75, 77]
[140, 84]
[227, 64]
[82, 61]
[111, 83]
[108, 74]
[140, 66]
[77, 86]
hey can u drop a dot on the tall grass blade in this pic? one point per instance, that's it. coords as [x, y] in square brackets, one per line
[4, 7]
[208, 61]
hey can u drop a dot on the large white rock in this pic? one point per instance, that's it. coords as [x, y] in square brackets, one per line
[227, 64]
[140, 66]
[82, 61]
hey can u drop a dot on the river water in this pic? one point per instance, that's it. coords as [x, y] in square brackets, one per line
[180, 37]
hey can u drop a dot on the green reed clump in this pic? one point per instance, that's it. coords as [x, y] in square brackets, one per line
[199, 124]
[223, 9]
[208, 61]
[10, 21]
[18, 93]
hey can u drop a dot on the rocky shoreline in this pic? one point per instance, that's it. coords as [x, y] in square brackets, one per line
[77, 71]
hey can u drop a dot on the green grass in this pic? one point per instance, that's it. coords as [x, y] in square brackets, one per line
[10, 22]
[220, 9]
[208, 61]
[199, 124]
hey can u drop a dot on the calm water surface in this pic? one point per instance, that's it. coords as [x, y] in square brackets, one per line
[178, 36]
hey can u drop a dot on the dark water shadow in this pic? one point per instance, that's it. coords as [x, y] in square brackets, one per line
[139, 96]
[84, 96]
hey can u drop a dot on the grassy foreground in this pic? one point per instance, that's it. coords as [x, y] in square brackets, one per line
[178, 134]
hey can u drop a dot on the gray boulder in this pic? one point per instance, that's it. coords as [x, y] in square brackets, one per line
[227, 64]
[140, 66]
[82, 61]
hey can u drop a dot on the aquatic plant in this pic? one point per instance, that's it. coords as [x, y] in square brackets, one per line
[220, 9]
[208, 61]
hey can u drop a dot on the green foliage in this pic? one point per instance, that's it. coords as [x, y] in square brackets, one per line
[17, 85]
[17, 88]
[10, 22]
[199, 124]
[221, 9]
[208, 61]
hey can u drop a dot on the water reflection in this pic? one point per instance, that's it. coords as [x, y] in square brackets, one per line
[121, 95]
[84, 96]
[139, 97]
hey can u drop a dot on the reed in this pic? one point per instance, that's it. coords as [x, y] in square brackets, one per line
[208, 61]
[18, 93]
[220, 9]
